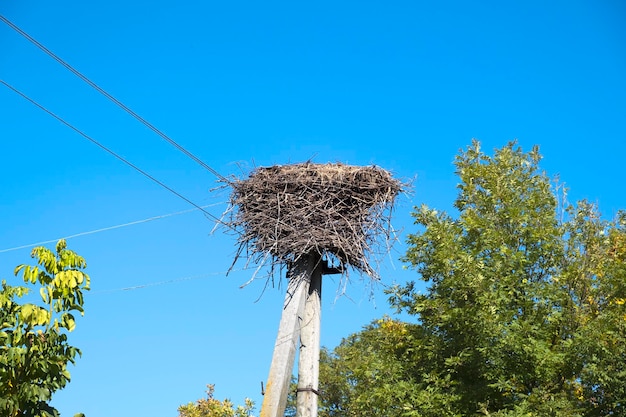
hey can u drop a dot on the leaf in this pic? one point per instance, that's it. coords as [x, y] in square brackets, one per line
[61, 245]
[43, 291]
[26, 312]
[41, 316]
[68, 322]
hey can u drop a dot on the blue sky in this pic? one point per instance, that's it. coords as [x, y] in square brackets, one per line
[403, 85]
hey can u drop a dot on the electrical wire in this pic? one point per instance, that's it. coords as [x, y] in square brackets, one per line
[154, 284]
[158, 283]
[113, 99]
[104, 229]
[101, 146]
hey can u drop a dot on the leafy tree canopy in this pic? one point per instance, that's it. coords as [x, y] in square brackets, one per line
[34, 351]
[212, 407]
[524, 312]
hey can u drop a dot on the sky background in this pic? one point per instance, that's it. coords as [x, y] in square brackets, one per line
[401, 84]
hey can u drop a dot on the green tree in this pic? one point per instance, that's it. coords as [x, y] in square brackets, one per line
[373, 373]
[211, 407]
[596, 282]
[524, 313]
[34, 351]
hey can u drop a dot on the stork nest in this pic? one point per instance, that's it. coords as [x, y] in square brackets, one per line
[337, 211]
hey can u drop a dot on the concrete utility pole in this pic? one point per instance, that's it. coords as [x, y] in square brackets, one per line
[277, 388]
[309, 359]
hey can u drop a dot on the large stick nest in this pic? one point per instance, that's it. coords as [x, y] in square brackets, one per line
[337, 211]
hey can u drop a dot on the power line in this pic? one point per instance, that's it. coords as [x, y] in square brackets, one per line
[154, 284]
[101, 146]
[158, 283]
[113, 99]
[104, 229]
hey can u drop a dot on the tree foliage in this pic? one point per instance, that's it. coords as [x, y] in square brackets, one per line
[34, 351]
[372, 373]
[524, 312]
[212, 407]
